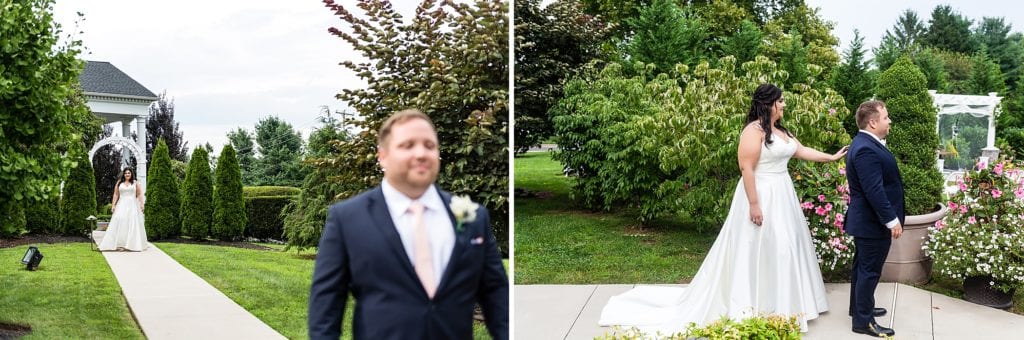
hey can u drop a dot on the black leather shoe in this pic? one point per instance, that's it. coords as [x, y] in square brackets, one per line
[876, 313]
[876, 330]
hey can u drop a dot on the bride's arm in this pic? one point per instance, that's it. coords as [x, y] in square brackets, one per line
[810, 154]
[113, 202]
[138, 195]
[748, 153]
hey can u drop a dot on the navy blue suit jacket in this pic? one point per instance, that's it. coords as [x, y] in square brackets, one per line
[876, 189]
[360, 252]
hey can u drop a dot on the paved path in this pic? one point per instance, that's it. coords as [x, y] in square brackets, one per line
[171, 302]
[571, 312]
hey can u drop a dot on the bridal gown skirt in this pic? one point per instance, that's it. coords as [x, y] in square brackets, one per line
[749, 270]
[126, 229]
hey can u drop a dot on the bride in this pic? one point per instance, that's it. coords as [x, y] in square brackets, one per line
[126, 229]
[763, 260]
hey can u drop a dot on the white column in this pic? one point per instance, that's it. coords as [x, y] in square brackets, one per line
[140, 122]
[126, 128]
[990, 149]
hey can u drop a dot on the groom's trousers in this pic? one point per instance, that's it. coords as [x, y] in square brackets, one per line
[867, 268]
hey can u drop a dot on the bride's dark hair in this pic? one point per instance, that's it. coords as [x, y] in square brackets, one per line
[121, 178]
[761, 110]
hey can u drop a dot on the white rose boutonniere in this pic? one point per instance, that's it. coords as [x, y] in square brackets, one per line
[464, 210]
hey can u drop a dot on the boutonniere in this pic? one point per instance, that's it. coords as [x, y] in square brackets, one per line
[464, 210]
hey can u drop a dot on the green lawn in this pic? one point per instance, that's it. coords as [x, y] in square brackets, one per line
[272, 285]
[72, 295]
[558, 243]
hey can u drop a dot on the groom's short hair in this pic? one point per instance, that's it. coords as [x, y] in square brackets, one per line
[867, 111]
[400, 117]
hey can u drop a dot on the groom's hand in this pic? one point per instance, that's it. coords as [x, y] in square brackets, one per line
[897, 231]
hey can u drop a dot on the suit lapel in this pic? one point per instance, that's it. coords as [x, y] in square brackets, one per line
[460, 242]
[382, 220]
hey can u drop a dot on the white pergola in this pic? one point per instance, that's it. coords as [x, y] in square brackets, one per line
[977, 106]
[115, 97]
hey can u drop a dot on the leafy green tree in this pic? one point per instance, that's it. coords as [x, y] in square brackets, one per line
[994, 35]
[196, 195]
[666, 35]
[161, 125]
[908, 31]
[242, 141]
[793, 58]
[934, 69]
[950, 31]
[815, 34]
[662, 145]
[852, 80]
[229, 217]
[79, 197]
[280, 153]
[551, 44]
[42, 107]
[985, 75]
[163, 200]
[450, 61]
[958, 67]
[745, 45]
[913, 139]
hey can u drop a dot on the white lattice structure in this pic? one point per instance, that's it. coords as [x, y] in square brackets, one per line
[977, 106]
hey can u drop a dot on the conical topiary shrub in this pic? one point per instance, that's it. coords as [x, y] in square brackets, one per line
[79, 195]
[197, 196]
[162, 197]
[913, 139]
[228, 205]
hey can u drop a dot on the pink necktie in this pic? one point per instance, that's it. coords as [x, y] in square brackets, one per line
[424, 263]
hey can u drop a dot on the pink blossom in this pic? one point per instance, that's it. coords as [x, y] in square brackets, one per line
[826, 221]
[963, 209]
[832, 111]
[963, 187]
[846, 198]
[828, 206]
[840, 188]
[807, 205]
[940, 224]
[842, 247]
[982, 165]
[842, 171]
[952, 205]
[821, 198]
[972, 220]
[998, 170]
[840, 217]
[835, 241]
[838, 222]
[820, 211]
[996, 193]
[1019, 192]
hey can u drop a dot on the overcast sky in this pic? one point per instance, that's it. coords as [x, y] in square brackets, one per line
[873, 17]
[227, 64]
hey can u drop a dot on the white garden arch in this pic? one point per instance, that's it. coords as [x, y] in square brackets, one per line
[976, 106]
[115, 97]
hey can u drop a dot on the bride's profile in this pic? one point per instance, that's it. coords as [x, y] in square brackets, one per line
[126, 230]
[763, 260]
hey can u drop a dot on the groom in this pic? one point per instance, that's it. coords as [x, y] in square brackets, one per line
[875, 215]
[414, 270]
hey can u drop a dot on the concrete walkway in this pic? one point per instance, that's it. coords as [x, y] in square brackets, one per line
[572, 311]
[171, 302]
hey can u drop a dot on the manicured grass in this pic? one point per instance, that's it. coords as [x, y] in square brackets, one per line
[72, 295]
[559, 243]
[272, 285]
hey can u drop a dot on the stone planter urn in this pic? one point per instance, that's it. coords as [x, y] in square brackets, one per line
[978, 290]
[906, 262]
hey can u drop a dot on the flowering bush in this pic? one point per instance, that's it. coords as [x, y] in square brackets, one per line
[824, 195]
[982, 234]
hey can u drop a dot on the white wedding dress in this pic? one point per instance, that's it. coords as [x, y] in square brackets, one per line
[749, 270]
[126, 229]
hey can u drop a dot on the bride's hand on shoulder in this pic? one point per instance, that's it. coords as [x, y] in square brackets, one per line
[841, 153]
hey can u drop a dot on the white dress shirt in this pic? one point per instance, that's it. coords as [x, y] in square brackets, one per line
[440, 229]
[894, 222]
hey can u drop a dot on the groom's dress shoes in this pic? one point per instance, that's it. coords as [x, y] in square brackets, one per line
[876, 313]
[874, 329]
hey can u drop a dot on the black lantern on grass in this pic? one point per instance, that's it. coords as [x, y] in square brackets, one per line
[32, 258]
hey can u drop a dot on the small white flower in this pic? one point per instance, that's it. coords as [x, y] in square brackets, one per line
[91, 218]
[464, 210]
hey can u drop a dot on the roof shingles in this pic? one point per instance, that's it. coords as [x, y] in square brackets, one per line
[103, 77]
